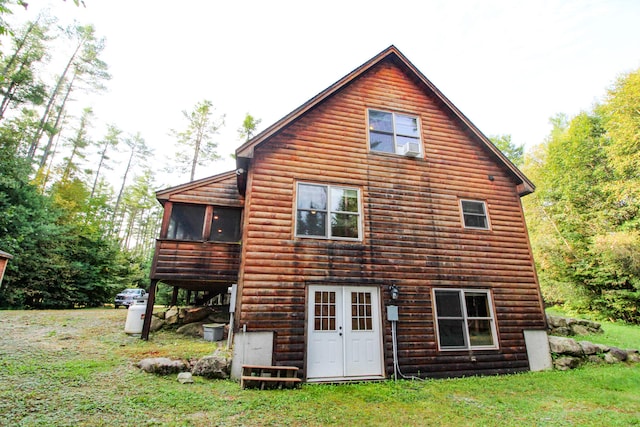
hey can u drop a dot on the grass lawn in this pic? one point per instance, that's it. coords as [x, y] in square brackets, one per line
[76, 367]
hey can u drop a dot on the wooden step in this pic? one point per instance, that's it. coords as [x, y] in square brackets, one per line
[263, 376]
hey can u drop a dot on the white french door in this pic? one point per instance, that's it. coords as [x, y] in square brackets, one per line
[344, 332]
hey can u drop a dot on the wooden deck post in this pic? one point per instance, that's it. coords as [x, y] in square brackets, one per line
[174, 296]
[146, 325]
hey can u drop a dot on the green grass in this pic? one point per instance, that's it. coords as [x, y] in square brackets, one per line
[77, 368]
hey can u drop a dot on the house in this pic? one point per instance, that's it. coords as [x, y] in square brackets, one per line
[374, 230]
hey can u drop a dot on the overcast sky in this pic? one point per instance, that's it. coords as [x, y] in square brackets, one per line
[507, 65]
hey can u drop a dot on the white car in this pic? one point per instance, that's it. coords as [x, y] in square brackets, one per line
[128, 297]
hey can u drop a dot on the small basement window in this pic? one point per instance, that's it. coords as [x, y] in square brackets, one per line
[394, 133]
[474, 214]
[186, 222]
[464, 319]
[225, 224]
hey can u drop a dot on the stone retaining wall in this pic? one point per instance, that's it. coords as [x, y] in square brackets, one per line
[568, 353]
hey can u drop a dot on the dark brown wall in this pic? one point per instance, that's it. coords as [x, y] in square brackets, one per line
[412, 229]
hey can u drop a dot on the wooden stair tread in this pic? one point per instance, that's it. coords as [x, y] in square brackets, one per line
[272, 379]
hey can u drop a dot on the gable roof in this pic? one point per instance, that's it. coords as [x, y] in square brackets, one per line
[165, 194]
[245, 151]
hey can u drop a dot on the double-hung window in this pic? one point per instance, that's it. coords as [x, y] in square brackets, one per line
[394, 133]
[464, 319]
[327, 211]
[474, 214]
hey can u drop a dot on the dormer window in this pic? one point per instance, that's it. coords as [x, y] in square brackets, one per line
[394, 133]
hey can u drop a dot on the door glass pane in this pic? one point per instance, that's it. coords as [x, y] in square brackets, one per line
[451, 332]
[480, 332]
[448, 304]
[325, 311]
[361, 319]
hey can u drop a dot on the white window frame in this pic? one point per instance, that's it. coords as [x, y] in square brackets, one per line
[327, 234]
[466, 319]
[486, 214]
[394, 133]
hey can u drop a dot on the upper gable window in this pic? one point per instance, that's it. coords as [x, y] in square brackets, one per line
[474, 214]
[394, 133]
[327, 211]
[186, 222]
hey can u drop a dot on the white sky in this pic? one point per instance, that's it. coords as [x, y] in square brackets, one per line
[507, 65]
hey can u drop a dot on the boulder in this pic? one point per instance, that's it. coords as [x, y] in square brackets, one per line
[191, 329]
[185, 378]
[618, 353]
[171, 315]
[556, 321]
[216, 366]
[589, 348]
[566, 346]
[609, 358]
[580, 330]
[195, 314]
[566, 362]
[156, 324]
[162, 365]
[594, 358]
[633, 356]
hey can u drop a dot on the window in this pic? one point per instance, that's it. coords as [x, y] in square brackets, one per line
[186, 222]
[464, 319]
[393, 132]
[325, 311]
[474, 214]
[328, 212]
[361, 317]
[225, 225]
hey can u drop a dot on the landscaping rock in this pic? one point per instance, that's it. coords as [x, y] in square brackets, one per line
[565, 363]
[185, 378]
[171, 315]
[603, 348]
[156, 324]
[217, 366]
[633, 356]
[580, 330]
[588, 348]
[162, 365]
[594, 358]
[194, 314]
[567, 346]
[609, 358]
[618, 353]
[192, 330]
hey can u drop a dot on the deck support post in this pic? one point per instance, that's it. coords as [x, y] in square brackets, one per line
[174, 296]
[146, 325]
